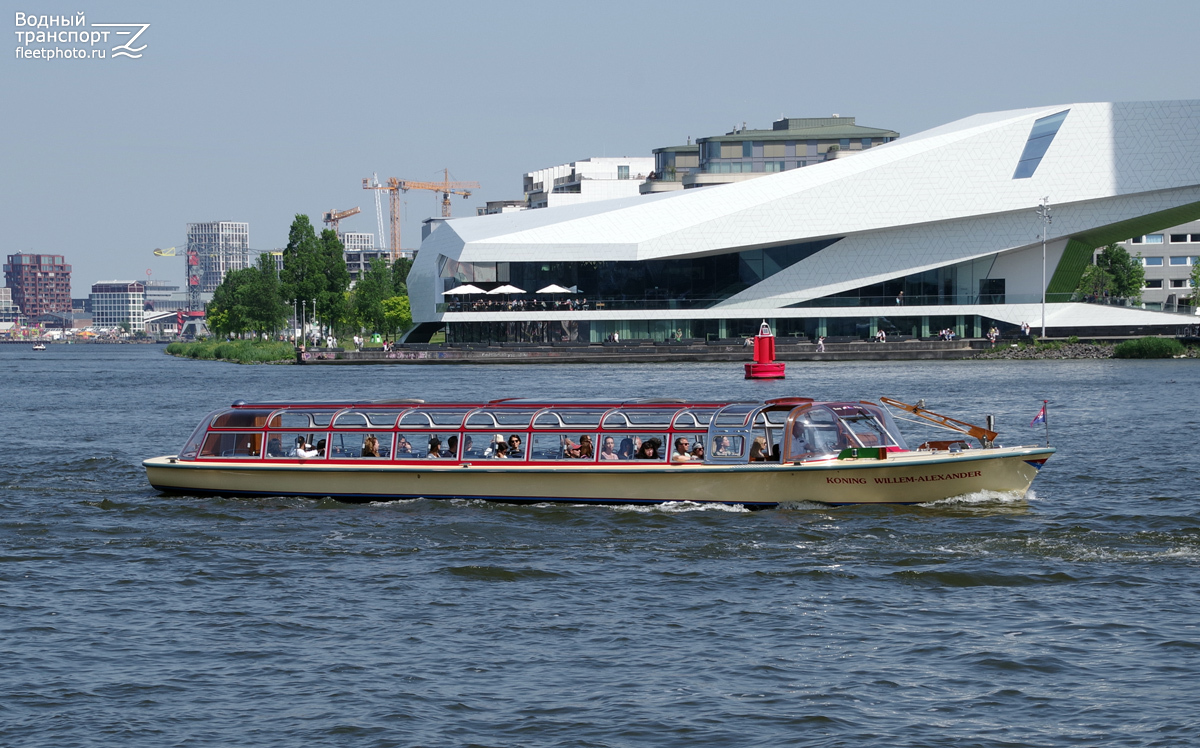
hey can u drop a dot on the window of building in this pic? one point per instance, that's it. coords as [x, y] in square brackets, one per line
[1152, 261]
[623, 172]
[1137, 240]
[1155, 283]
[844, 143]
[774, 150]
[1179, 283]
[866, 143]
[1179, 260]
[1040, 137]
[1195, 238]
[747, 149]
[810, 149]
[1179, 238]
[1154, 238]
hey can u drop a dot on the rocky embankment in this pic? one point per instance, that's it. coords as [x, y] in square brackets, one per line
[1065, 350]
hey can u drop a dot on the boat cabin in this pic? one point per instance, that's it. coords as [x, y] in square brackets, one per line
[635, 432]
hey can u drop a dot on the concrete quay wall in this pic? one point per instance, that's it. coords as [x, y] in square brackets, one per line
[608, 353]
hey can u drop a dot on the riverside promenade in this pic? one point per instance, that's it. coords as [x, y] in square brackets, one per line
[643, 352]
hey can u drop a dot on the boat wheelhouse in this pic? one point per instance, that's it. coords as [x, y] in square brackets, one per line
[758, 454]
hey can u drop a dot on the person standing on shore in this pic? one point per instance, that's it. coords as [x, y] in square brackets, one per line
[821, 344]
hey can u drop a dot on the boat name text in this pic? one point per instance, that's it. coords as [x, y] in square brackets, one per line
[910, 478]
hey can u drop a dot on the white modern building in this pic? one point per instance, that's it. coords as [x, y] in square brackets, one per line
[220, 246]
[934, 230]
[586, 180]
[115, 302]
[359, 250]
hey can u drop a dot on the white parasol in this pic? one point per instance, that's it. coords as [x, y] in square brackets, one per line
[463, 290]
[505, 289]
[555, 288]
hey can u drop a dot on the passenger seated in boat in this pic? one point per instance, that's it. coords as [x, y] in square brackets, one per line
[722, 447]
[698, 452]
[514, 446]
[274, 447]
[607, 450]
[402, 446]
[499, 450]
[370, 446]
[306, 451]
[758, 450]
[582, 451]
[681, 453]
[321, 447]
[451, 447]
[774, 453]
[648, 450]
[626, 450]
[435, 447]
[299, 446]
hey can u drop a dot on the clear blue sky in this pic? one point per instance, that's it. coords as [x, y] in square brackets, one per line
[258, 111]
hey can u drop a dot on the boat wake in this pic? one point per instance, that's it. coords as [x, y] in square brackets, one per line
[985, 498]
[677, 507]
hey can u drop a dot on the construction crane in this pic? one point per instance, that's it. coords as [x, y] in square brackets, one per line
[332, 217]
[191, 273]
[446, 187]
[393, 187]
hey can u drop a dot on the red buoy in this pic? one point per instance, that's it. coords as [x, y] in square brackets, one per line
[765, 366]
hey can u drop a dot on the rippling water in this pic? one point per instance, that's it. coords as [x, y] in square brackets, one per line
[1067, 617]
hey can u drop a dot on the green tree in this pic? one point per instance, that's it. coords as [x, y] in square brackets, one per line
[400, 270]
[301, 281]
[1096, 281]
[368, 296]
[397, 315]
[264, 303]
[335, 279]
[228, 313]
[1127, 272]
[1195, 279]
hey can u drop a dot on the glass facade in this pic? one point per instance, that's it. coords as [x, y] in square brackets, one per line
[1040, 138]
[693, 283]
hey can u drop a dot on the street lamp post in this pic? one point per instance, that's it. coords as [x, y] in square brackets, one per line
[1044, 211]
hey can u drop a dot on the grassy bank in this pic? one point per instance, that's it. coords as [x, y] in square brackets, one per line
[238, 351]
[1149, 348]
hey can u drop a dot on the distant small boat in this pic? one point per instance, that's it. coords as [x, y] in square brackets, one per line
[39, 346]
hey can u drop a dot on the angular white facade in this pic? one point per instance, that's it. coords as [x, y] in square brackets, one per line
[947, 216]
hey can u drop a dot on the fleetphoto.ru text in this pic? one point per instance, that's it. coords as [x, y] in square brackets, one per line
[71, 37]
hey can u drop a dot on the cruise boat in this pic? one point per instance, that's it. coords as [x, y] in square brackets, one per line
[757, 454]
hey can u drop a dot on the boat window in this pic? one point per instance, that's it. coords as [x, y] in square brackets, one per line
[482, 446]
[360, 446]
[557, 419]
[736, 414]
[562, 447]
[288, 443]
[232, 444]
[504, 419]
[192, 446]
[425, 417]
[694, 418]
[625, 446]
[241, 419]
[301, 419]
[651, 416]
[816, 433]
[727, 446]
[350, 420]
[420, 445]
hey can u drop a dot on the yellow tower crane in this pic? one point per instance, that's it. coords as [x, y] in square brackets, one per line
[394, 187]
[332, 217]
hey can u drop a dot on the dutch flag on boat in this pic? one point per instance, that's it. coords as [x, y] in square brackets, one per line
[1040, 417]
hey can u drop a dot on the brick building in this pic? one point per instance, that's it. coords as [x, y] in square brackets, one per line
[39, 283]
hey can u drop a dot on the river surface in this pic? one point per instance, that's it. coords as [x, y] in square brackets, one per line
[1068, 617]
